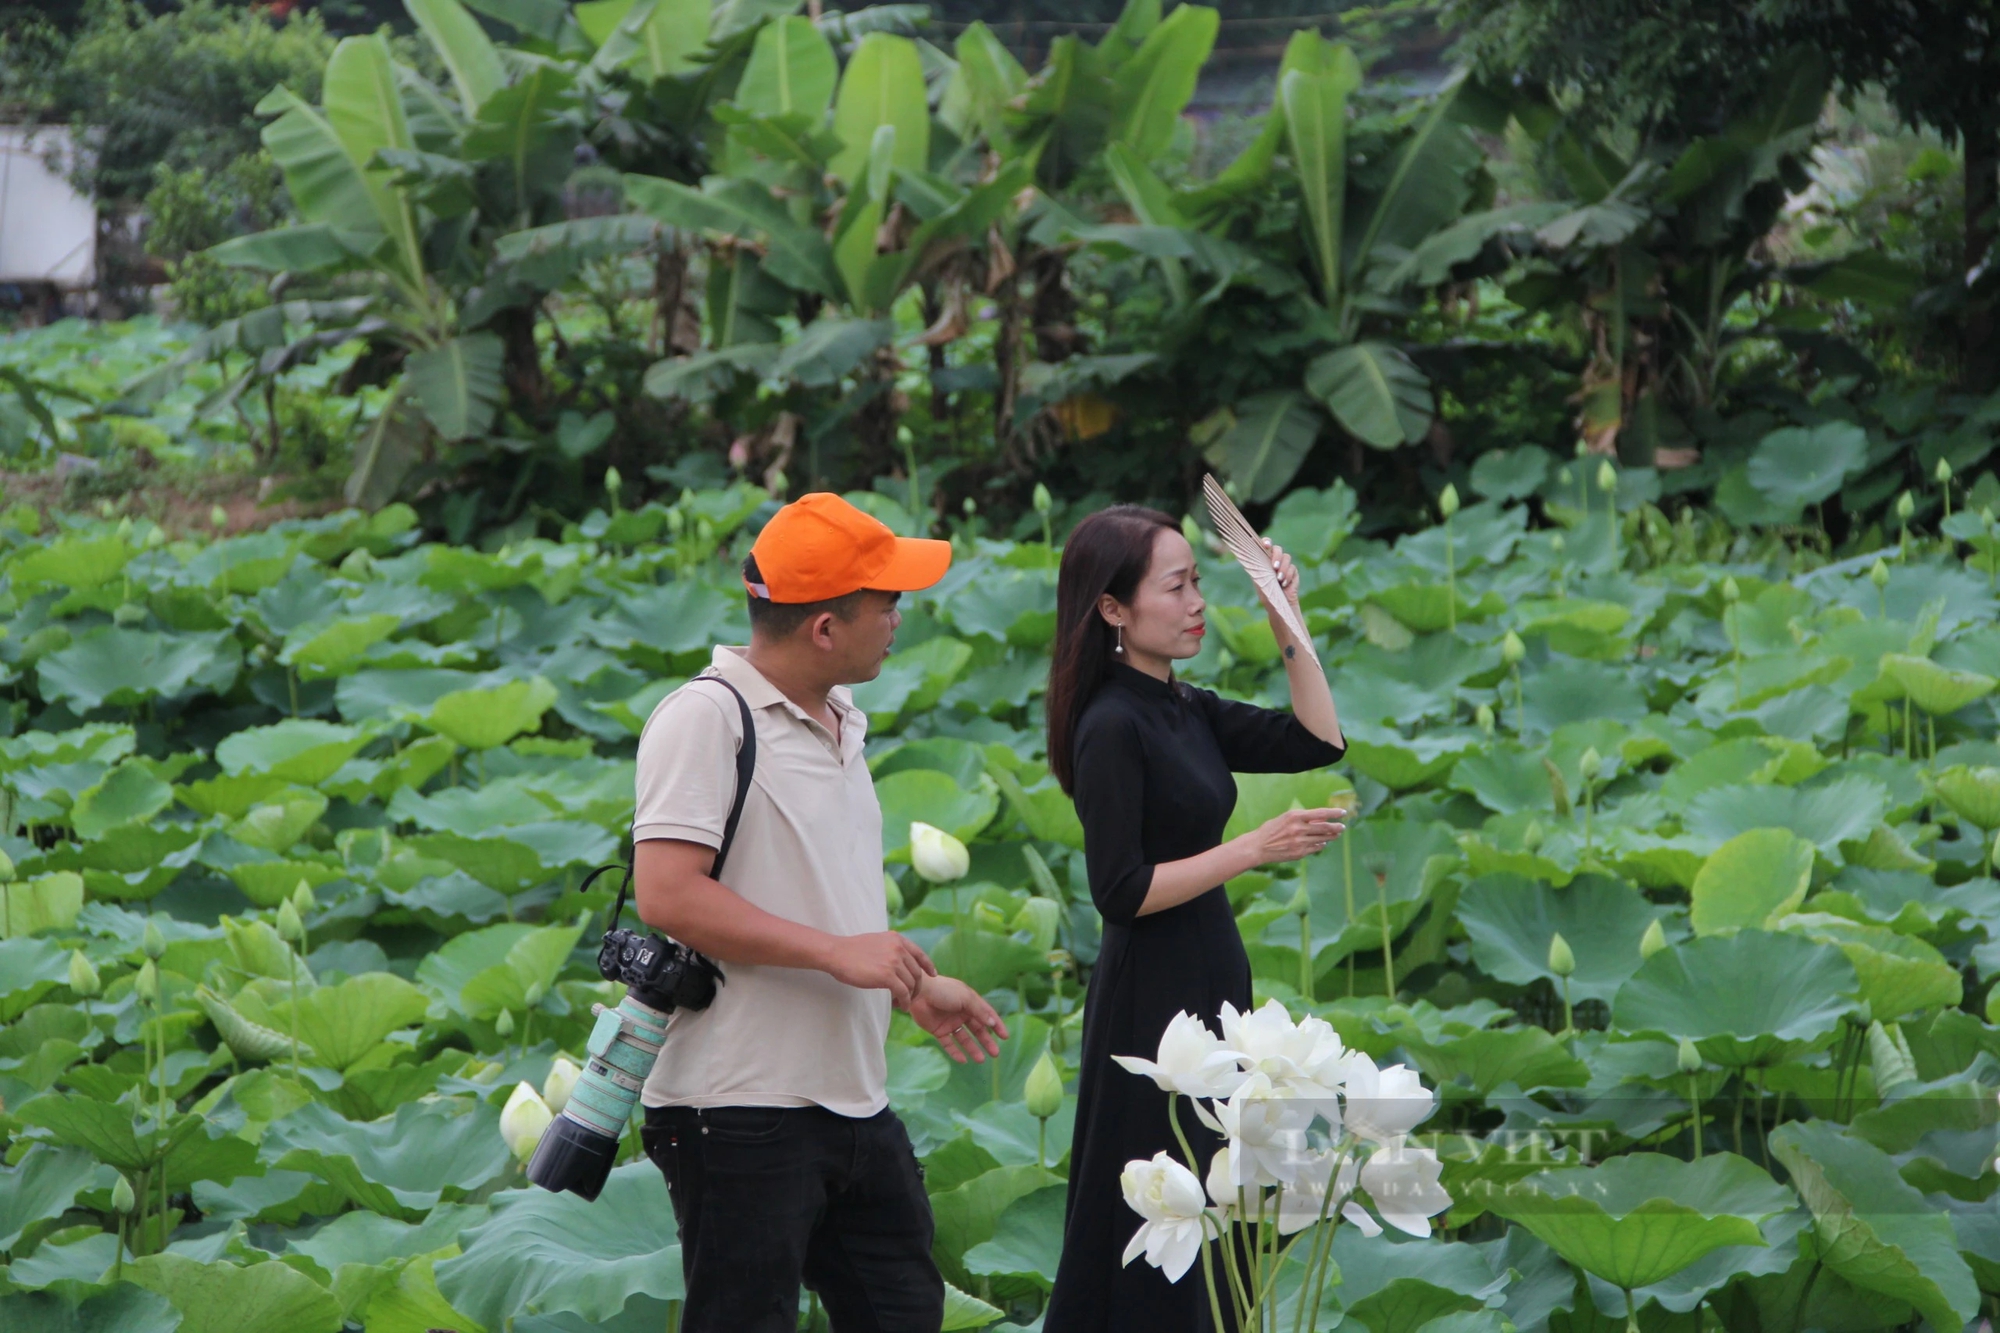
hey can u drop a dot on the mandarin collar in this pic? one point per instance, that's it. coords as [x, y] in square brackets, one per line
[1142, 684]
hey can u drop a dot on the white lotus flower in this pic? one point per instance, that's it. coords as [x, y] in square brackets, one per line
[1191, 1061]
[1167, 1195]
[938, 857]
[1303, 1202]
[1266, 1132]
[1403, 1182]
[523, 1119]
[1221, 1182]
[556, 1087]
[1384, 1104]
[1304, 1059]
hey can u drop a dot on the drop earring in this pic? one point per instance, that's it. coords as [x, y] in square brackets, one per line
[1118, 647]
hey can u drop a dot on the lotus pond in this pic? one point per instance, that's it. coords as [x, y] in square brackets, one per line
[1672, 872]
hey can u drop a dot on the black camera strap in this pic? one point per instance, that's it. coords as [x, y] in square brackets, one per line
[746, 768]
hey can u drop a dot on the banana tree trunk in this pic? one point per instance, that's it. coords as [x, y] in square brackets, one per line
[676, 316]
[1053, 314]
[527, 390]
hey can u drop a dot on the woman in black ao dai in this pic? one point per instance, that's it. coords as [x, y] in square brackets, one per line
[1148, 761]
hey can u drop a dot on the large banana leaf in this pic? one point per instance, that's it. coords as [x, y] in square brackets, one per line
[364, 106]
[1253, 164]
[1155, 84]
[796, 255]
[385, 455]
[544, 258]
[525, 126]
[657, 39]
[457, 384]
[468, 53]
[326, 184]
[883, 86]
[860, 222]
[1152, 203]
[312, 248]
[791, 71]
[990, 78]
[1314, 104]
[1375, 391]
[1066, 113]
[1273, 434]
[1427, 190]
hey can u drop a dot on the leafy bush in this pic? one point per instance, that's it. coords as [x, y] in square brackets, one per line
[293, 818]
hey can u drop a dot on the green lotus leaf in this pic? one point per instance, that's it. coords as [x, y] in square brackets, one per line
[1938, 690]
[76, 560]
[230, 797]
[1640, 1218]
[1898, 974]
[268, 883]
[1576, 626]
[1802, 465]
[1397, 866]
[258, 1298]
[482, 719]
[1827, 815]
[484, 971]
[1767, 677]
[1750, 880]
[1972, 793]
[1482, 1061]
[401, 1166]
[926, 796]
[29, 968]
[115, 665]
[1045, 808]
[46, 902]
[322, 650]
[278, 826]
[297, 749]
[1697, 989]
[1428, 607]
[1566, 691]
[120, 1309]
[42, 1185]
[969, 1215]
[499, 861]
[912, 680]
[128, 794]
[1388, 1287]
[1026, 1243]
[558, 1253]
[987, 961]
[1510, 921]
[1873, 1228]
[1402, 764]
[343, 1023]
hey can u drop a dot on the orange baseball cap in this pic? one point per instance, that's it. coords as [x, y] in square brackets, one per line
[819, 546]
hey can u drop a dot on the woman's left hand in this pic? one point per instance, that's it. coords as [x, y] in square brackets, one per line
[1288, 579]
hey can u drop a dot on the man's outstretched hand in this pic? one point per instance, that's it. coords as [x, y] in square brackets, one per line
[959, 1017]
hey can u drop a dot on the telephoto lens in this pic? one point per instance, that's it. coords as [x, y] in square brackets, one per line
[579, 1148]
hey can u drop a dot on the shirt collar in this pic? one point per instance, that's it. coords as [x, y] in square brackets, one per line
[1140, 683]
[733, 665]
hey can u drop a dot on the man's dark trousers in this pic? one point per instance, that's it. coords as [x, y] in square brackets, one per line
[766, 1196]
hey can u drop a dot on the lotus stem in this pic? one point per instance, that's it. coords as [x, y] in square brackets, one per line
[1631, 1313]
[1736, 1120]
[1520, 706]
[292, 684]
[1388, 948]
[292, 967]
[1305, 958]
[1569, 1017]
[1322, 1250]
[1207, 1264]
[1450, 581]
[1694, 1113]
[1347, 866]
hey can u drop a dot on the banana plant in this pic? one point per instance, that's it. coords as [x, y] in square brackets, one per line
[1366, 246]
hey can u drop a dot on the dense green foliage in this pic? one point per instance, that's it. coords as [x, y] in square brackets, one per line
[1755, 794]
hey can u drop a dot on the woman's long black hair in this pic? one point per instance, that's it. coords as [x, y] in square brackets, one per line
[1108, 553]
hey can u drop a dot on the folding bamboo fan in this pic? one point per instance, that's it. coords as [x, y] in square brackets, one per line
[1243, 543]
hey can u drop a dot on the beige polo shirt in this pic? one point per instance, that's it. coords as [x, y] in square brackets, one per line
[809, 849]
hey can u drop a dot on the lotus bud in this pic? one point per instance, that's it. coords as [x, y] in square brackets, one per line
[1512, 650]
[218, 517]
[522, 1121]
[1687, 1057]
[122, 1197]
[1039, 917]
[1483, 715]
[153, 942]
[6, 868]
[556, 1087]
[156, 537]
[1607, 477]
[291, 927]
[1044, 502]
[937, 856]
[988, 916]
[1558, 543]
[1906, 507]
[1448, 500]
[1531, 836]
[504, 1024]
[1654, 940]
[1044, 1090]
[1588, 765]
[83, 979]
[1942, 472]
[779, 482]
[535, 993]
[1562, 959]
[970, 507]
[905, 436]
[893, 892]
[1730, 592]
[1191, 530]
[303, 900]
[147, 984]
[1986, 517]
[1878, 574]
[613, 483]
[1563, 474]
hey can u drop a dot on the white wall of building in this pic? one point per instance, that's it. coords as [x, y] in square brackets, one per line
[48, 232]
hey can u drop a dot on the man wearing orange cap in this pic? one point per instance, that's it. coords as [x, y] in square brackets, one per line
[768, 1111]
